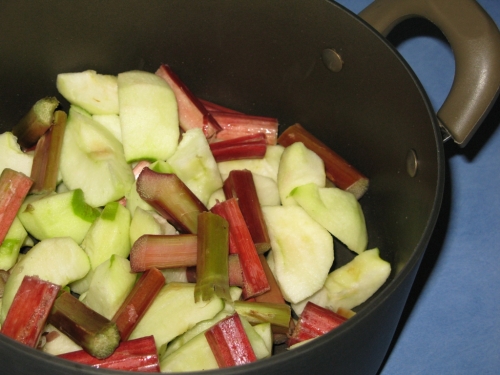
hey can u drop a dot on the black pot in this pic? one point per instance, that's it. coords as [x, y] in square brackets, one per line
[310, 62]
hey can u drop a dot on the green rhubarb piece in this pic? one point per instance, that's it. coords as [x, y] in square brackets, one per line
[278, 314]
[194, 164]
[97, 335]
[36, 122]
[175, 303]
[57, 215]
[212, 265]
[11, 245]
[11, 155]
[57, 260]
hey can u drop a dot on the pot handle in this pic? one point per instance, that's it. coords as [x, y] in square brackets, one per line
[475, 41]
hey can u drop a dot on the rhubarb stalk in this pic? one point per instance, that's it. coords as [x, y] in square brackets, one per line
[139, 355]
[337, 169]
[192, 113]
[138, 301]
[212, 263]
[240, 185]
[229, 342]
[163, 251]
[278, 314]
[14, 186]
[313, 322]
[168, 195]
[97, 335]
[36, 122]
[30, 309]
[251, 146]
[240, 242]
[235, 125]
[45, 168]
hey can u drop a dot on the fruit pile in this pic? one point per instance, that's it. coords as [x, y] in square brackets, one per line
[147, 229]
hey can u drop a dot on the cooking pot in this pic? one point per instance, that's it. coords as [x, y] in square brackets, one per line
[311, 62]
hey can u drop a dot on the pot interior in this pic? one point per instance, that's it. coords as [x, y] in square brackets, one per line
[262, 58]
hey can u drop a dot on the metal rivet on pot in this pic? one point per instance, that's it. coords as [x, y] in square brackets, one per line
[411, 163]
[332, 60]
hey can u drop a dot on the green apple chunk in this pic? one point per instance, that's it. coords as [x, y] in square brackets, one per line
[194, 164]
[267, 166]
[92, 159]
[352, 284]
[338, 211]
[108, 235]
[148, 222]
[175, 303]
[11, 245]
[57, 215]
[148, 116]
[57, 260]
[59, 342]
[111, 283]
[96, 93]
[302, 251]
[11, 155]
[111, 123]
[299, 166]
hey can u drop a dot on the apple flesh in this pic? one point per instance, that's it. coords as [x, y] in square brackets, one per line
[336, 210]
[96, 93]
[11, 155]
[148, 116]
[302, 251]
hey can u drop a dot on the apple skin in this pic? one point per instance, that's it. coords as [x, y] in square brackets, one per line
[302, 251]
[298, 166]
[11, 245]
[336, 210]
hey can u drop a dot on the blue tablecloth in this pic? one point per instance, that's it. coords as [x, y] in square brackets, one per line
[452, 322]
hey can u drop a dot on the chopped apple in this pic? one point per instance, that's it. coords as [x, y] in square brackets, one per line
[112, 123]
[195, 165]
[298, 166]
[96, 93]
[148, 222]
[352, 284]
[11, 245]
[336, 210]
[111, 283]
[302, 251]
[148, 116]
[11, 155]
[92, 159]
[57, 260]
[57, 215]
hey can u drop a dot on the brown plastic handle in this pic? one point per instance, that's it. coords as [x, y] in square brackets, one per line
[475, 40]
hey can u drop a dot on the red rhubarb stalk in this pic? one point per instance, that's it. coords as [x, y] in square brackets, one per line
[30, 309]
[212, 107]
[234, 269]
[229, 342]
[313, 322]
[240, 242]
[36, 122]
[163, 251]
[192, 113]
[97, 335]
[338, 170]
[45, 168]
[251, 146]
[168, 195]
[273, 295]
[235, 125]
[212, 279]
[240, 185]
[138, 302]
[14, 186]
[139, 355]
